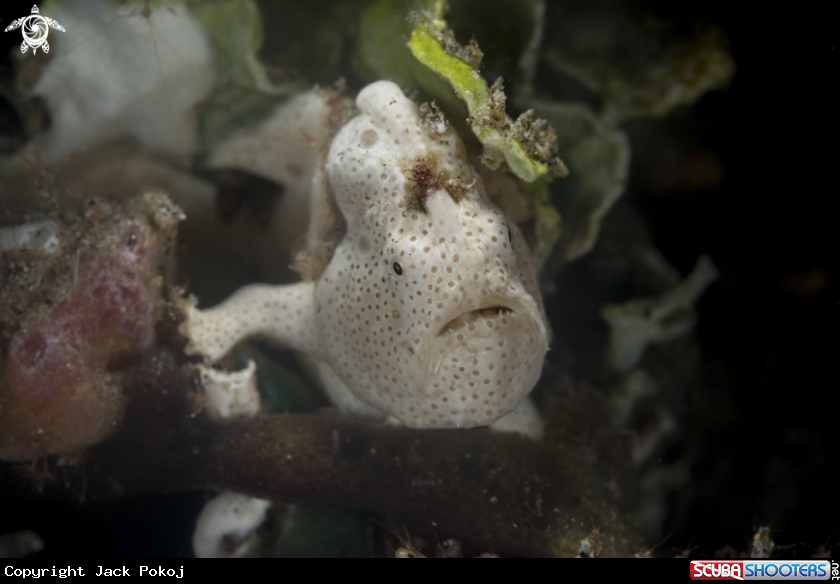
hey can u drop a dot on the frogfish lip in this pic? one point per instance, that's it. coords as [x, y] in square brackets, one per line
[492, 309]
[480, 322]
[491, 315]
[479, 363]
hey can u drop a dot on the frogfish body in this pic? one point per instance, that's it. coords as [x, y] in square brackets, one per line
[428, 309]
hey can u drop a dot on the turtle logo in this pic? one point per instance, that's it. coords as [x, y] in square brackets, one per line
[35, 29]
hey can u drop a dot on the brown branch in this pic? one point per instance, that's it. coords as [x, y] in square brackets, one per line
[497, 492]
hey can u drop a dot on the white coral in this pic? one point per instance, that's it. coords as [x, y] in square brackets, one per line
[129, 74]
[637, 323]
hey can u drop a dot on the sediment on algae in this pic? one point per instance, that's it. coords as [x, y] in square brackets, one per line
[526, 147]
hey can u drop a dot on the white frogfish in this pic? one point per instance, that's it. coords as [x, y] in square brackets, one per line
[428, 309]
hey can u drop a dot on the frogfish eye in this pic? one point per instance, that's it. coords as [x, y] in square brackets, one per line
[510, 237]
[398, 270]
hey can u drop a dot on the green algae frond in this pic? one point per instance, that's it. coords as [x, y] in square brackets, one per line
[527, 147]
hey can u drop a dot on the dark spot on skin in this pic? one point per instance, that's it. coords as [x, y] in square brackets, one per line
[369, 138]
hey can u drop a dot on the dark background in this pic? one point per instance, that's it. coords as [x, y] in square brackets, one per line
[768, 226]
[768, 328]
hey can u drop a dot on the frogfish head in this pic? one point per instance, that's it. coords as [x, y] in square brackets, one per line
[430, 306]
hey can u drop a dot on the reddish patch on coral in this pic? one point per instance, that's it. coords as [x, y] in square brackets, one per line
[61, 396]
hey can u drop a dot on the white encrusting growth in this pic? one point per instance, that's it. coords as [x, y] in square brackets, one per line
[226, 525]
[283, 149]
[429, 309]
[40, 236]
[230, 395]
[115, 75]
[637, 323]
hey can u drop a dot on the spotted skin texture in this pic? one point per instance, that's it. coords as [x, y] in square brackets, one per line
[429, 310]
[283, 314]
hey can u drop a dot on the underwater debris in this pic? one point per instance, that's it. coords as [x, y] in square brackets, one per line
[590, 546]
[762, 544]
[636, 323]
[20, 544]
[40, 236]
[433, 119]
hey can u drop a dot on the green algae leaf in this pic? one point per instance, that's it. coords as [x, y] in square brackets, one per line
[639, 322]
[440, 69]
[311, 40]
[447, 73]
[383, 54]
[547, 225]
[245, 88]
[530, 207]
[510, 33]
[235, 28]
[639, 65]
[526, 147]
[598, 156]
[464, 79]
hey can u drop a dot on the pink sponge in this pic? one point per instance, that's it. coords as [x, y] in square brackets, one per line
[62, 386]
